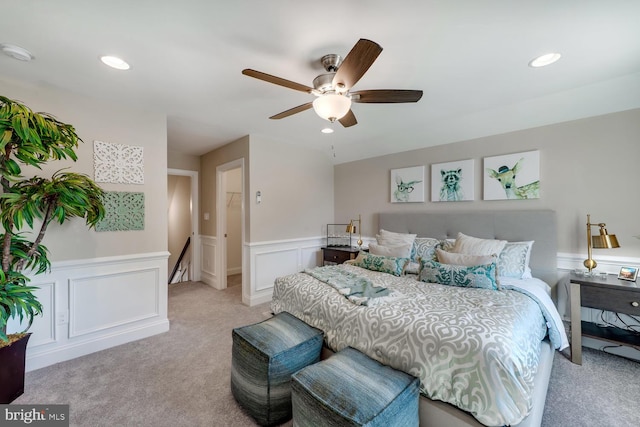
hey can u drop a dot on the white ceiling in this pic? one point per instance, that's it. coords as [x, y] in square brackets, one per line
[468, 56]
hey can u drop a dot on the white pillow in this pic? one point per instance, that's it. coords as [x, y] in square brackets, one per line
[389, 238]
[475, 246]
[403, 251]
[397, 237]
[466, 260]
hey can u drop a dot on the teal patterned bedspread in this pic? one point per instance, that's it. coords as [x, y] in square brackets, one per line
[477, 349]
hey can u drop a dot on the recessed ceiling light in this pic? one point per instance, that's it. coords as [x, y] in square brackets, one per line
[16, 52]
[327, 130]
[544, 60]
[115, 62]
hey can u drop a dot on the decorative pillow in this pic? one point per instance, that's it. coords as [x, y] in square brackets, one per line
[478, 276]
[445, 257]
[475, 246]
[447, 244]
[402, 251]
[413, 267]
[424, 247]
[390, 238]
[384, 264]
[514, 260]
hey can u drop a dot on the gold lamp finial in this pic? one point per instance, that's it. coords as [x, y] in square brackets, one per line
[603, 240]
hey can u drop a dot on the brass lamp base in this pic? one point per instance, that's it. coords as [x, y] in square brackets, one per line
[590, 264]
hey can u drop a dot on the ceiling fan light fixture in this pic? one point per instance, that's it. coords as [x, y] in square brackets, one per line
[331, 106]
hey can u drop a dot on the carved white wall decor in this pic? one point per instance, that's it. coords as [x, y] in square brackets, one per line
[118, 163]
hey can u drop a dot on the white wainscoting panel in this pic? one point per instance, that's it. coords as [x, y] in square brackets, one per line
[93, 304]
[97, 302]
[43, 329]
[208, 262]
[273, 264]
[269, 260]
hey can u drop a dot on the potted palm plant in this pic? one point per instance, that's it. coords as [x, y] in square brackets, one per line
[27, 207]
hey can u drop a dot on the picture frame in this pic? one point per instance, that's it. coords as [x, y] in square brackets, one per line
[452, 181]
[512, 176]
[628, 273]
[407, 185]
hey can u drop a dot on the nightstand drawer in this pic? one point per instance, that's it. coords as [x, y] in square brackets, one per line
[616, 300]
[337, 256]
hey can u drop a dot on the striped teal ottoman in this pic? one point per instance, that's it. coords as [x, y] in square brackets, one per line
[350, 389]
[263, 357]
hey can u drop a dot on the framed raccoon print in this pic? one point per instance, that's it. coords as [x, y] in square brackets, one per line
[452, 181]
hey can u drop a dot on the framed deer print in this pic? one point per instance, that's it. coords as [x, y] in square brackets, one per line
[512, 176]
[452, 181]
[407, 185]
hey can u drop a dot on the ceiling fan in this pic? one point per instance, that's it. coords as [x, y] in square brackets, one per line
[333, 89]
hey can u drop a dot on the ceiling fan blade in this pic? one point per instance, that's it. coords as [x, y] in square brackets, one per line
[348, 120]
[276, 80]
[292, 111]
[386, 96]
[356, 63]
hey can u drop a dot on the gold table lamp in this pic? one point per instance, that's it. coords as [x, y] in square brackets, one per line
[604, 240]
[351, 228]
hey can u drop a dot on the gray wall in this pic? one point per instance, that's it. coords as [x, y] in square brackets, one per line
[587, 166]
[117, 124]
[182, 161]
[296, 184]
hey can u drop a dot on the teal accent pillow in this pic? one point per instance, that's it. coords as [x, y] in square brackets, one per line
[381, 263]
[514, 259]
[477, 276]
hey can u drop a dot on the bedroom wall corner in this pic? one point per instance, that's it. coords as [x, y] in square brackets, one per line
[83, 308]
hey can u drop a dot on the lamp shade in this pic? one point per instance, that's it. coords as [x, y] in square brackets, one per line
[331, 106]
[605, 241]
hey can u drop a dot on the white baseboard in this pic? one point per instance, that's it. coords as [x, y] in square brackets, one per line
[40, 359]
[234, 270]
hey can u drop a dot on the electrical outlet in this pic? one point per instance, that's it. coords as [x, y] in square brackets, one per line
[62, 317]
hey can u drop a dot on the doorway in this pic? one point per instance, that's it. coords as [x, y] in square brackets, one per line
[182, 220]
[230, 223]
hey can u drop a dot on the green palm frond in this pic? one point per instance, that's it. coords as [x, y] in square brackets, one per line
[33, 139]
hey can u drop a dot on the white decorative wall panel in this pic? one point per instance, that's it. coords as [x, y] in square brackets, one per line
[208, 260]
[93, 304]
[271, 265]
[43, 329]
[118, 163]
[311, 257]
[105, 303]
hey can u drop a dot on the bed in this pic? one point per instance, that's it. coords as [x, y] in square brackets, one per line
[478, 361]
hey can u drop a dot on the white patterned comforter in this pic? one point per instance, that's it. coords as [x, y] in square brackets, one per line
[477, 349]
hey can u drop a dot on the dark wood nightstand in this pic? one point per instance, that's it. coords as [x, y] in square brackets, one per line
[338, 254]
[609, 294]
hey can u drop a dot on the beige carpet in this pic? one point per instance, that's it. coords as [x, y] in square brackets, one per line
[181, 378]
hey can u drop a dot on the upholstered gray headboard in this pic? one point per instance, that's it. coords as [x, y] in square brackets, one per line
[514, 226]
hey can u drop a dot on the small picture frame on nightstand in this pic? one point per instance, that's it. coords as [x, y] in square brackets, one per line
[628, 273]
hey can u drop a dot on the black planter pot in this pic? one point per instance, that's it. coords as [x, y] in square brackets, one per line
[12, 361]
